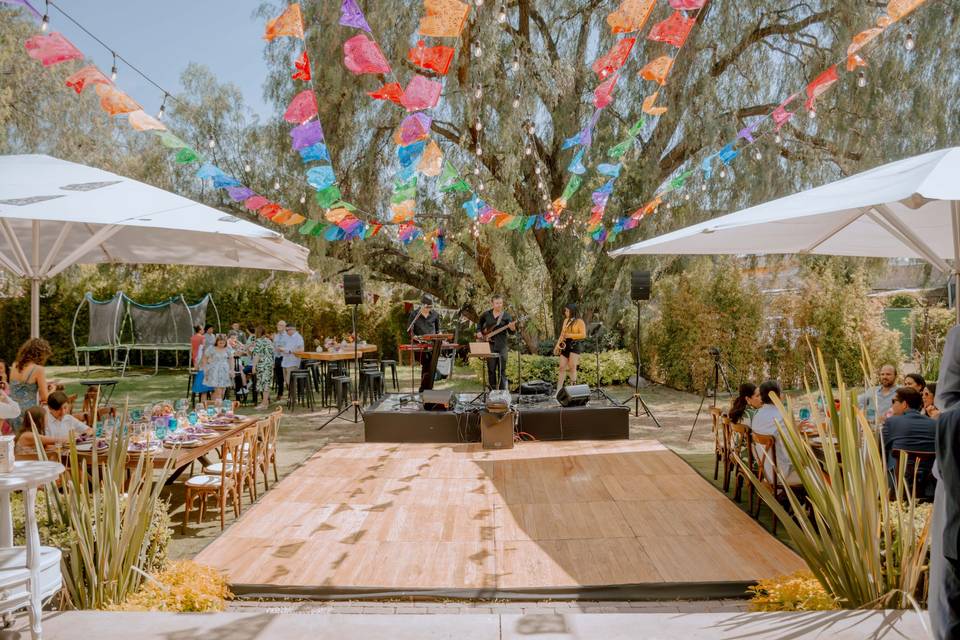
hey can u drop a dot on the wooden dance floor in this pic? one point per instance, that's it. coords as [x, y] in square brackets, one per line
[557, 518]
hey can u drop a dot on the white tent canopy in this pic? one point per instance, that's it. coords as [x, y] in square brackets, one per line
[54, 214]
[905, 209]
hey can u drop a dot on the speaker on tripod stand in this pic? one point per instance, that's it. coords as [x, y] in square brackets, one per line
[640, 292]
[352, 295]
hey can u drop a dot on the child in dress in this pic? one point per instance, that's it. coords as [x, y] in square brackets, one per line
[217, 372]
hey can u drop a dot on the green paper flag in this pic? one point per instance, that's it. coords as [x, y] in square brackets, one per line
[620, 149]
[167, 139]
[340, 204]
[516, 223]
[186, 156]
[637, 126]
[326, 197]
[449, 174]
[308, 227]
[460, 186]
[407, 193]
[572, 187]
[400, 184]
[319, 229]
[680, 180]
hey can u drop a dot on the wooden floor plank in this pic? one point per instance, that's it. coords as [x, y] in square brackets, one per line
[541, 515]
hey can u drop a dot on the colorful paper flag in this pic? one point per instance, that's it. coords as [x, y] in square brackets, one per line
[114, 101]
[898, 9]
[302, 66]
[436, 59]
[288, 23]
[255, 202]
[391, 91]
[674, 30]
[186, 155]
[141, 121]
[320, 177]
[314, 153]
[687, 5]
[576, 165]
[443, 18]
[414, 127]
[410, 153]
[87, 75]
[170, 141]
[306, 134]
[648, 107]
[302, 108]
[603, 94]
[615, 58]
[431, 161]
[363, 55]
[352, 16]
[630, 16]
[821, 85]
[327, 197]
[421, 93]
[51, 49]
[780, 115]
[657, 70]
[241, 193]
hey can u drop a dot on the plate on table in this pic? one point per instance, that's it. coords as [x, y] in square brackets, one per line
[88, 446]
[142, 447]
[200, 432]
[181, 443]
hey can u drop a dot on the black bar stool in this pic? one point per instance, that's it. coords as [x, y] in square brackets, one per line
[301, 390]
[392, 365]
[371, 384]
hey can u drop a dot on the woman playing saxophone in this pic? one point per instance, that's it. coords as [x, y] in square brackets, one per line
[568, 345]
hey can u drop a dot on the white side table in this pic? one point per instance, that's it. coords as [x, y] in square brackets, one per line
[31, 573]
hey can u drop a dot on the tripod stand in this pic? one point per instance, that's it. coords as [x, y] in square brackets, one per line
[637, 398]
[598, 391]
[355, 391]
[718, 372]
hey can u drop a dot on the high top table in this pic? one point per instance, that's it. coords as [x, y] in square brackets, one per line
[31, 573]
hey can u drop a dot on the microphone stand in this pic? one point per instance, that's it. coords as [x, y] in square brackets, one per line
[403, 399]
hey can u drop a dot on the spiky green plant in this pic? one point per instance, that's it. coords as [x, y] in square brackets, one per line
[109, 507]
[864, 548]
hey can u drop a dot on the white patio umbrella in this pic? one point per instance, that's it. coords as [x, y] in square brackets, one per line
[905, 209]
[54, 214]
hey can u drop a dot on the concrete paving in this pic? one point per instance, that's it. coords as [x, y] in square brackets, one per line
[836, 625]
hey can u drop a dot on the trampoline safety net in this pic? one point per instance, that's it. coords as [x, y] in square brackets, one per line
[166, 323]
[105, 319]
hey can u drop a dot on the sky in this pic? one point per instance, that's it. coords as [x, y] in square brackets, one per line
[161, 37]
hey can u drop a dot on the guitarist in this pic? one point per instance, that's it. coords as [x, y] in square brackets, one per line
[491, 320]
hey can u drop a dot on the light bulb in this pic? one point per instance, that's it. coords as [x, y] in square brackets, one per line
[516, 62]
[479, 92]
[723, 173]
[45, 22]
[476, 171]
[479, 151]
[546, 198]
[531, 129]
[303, 199]
[276, 185]
[477, 51]
[778, 138]
[479, 3]
[478, 126]
[247, 168]
[479, 186]
[861, 79]
[540, 184]
[813, 114]
[686, 196]
[669, 205]
[113, 72]
[909, 44]
[211, 142]
[536, 170]
[502, 14]
[758, 155]
[163, 110]
[516, 101]
[703, 187]
[527, 150]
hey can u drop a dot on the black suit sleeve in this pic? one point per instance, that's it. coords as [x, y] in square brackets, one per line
[948, 446]
[948, 382]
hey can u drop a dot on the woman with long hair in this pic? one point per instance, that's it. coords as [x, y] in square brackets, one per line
[745, 404]
[929, 396]
[28, 377]
[262, 351]
[216, 367]
[570, 342]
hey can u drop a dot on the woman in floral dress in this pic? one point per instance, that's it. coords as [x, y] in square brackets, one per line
[262, 352]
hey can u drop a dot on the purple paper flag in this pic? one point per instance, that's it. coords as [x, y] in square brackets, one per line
[747, 132]
[352, 16]
[307, 134]
[240, 193]
[26, 5]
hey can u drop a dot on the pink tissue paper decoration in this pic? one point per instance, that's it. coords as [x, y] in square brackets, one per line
[303, 107]
[363, 55]
[421, 93]
[52, 49]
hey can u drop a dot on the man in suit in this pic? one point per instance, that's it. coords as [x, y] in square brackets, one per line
[944, 599]
[908, 429]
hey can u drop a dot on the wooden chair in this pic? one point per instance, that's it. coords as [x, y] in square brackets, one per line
[226, 483]
[918, 479]
[738, 446]
[767, 452]
[719, 444]
[242, 465]
[268, 456]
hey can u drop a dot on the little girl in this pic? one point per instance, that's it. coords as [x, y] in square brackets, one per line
[216, 367]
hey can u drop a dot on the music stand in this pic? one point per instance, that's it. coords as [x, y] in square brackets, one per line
[481, 351]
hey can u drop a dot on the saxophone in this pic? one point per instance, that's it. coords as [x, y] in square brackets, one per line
[561, 341]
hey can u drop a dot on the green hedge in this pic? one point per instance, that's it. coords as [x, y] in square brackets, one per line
[615, 368]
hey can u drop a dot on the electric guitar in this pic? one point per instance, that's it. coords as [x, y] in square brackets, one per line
[488, 335]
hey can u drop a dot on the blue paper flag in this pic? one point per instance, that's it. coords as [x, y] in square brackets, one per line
[321, 177]
[576, 165]
[411, 153]
[609, 170]
[473, 206]
[315, 152]
[728, 153]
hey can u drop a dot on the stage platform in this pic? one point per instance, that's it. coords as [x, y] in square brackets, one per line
[392, 420]
[594, 520]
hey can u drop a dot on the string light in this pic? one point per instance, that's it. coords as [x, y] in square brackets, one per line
[303, 199]
[502, 14]
[479, 151]
[686, 196]
[758, 155]
[163, 107]
[723, 173]
[478, 125]
[703, 187]
[480, 186]
[527, 150]
[211, 142]
[247, 168]
[516, 101]
[861, 79]
[276, 185]
[531, 129]
[479, 3]
[909, 44]
[813, 114]
[476, 171]
[113, 70]
[479, 92]
[46, 18]
[778, 138]
[516, 62]
[477, 50]
[536, 170]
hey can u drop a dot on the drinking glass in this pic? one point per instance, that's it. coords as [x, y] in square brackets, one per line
[804, 414]
[193, 418]
[211, 411]
[136, 415]
[160, 430]
[181, 405]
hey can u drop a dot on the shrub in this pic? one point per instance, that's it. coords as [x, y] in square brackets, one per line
[799, 591]
[930, 327]
[615, 367]
[184, 586]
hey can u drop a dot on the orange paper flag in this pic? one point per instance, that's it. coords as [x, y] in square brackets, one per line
[431, 162]
[631, 15]
[295, 218]
[443, 18]
[403, 211]
[336, 215]
[648, 107]
[288, 23]
[433, 58]
[657, 70]
[391, 91]
[140, 121]
[88, 75]
[897, 9]
[114, 101]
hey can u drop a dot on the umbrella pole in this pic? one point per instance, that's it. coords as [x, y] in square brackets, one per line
[955, 219]
[35, 281]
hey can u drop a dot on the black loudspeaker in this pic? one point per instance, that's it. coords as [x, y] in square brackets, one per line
[352, 288]
[639, 285]
[574, 395]
[535, 388]
[437, 400]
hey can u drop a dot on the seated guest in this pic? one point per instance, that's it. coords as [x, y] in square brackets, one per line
[914, 381]
[25, 444]
[907, 428]
[745, 405]
[875, 401]
[765, 422]
[929, 396]
[9, 409]
[59, 421]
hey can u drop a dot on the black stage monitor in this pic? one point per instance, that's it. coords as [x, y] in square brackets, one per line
[352, 288]
[437, 400]
[574, 395]
[639, 285]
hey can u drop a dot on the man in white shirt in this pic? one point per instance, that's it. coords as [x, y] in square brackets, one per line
[291, 345]
[877, 401]
[279, 340]
[59, 422]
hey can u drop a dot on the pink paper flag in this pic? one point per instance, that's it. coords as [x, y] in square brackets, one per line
[87, 75]
[687, 5]
[674, 30]
[363, 55]
[780, 115]
[603, 94]
[421, 93]
[255, 202]
[414, 127]
[52, 49]
[821, 85]
[302, 108]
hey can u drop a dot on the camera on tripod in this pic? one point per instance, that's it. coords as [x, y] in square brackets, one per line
[714, 351]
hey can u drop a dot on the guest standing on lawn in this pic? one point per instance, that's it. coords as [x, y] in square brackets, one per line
[262, 352]
[291, 345]
[279, 340]
[216, 367]
[28, 377]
